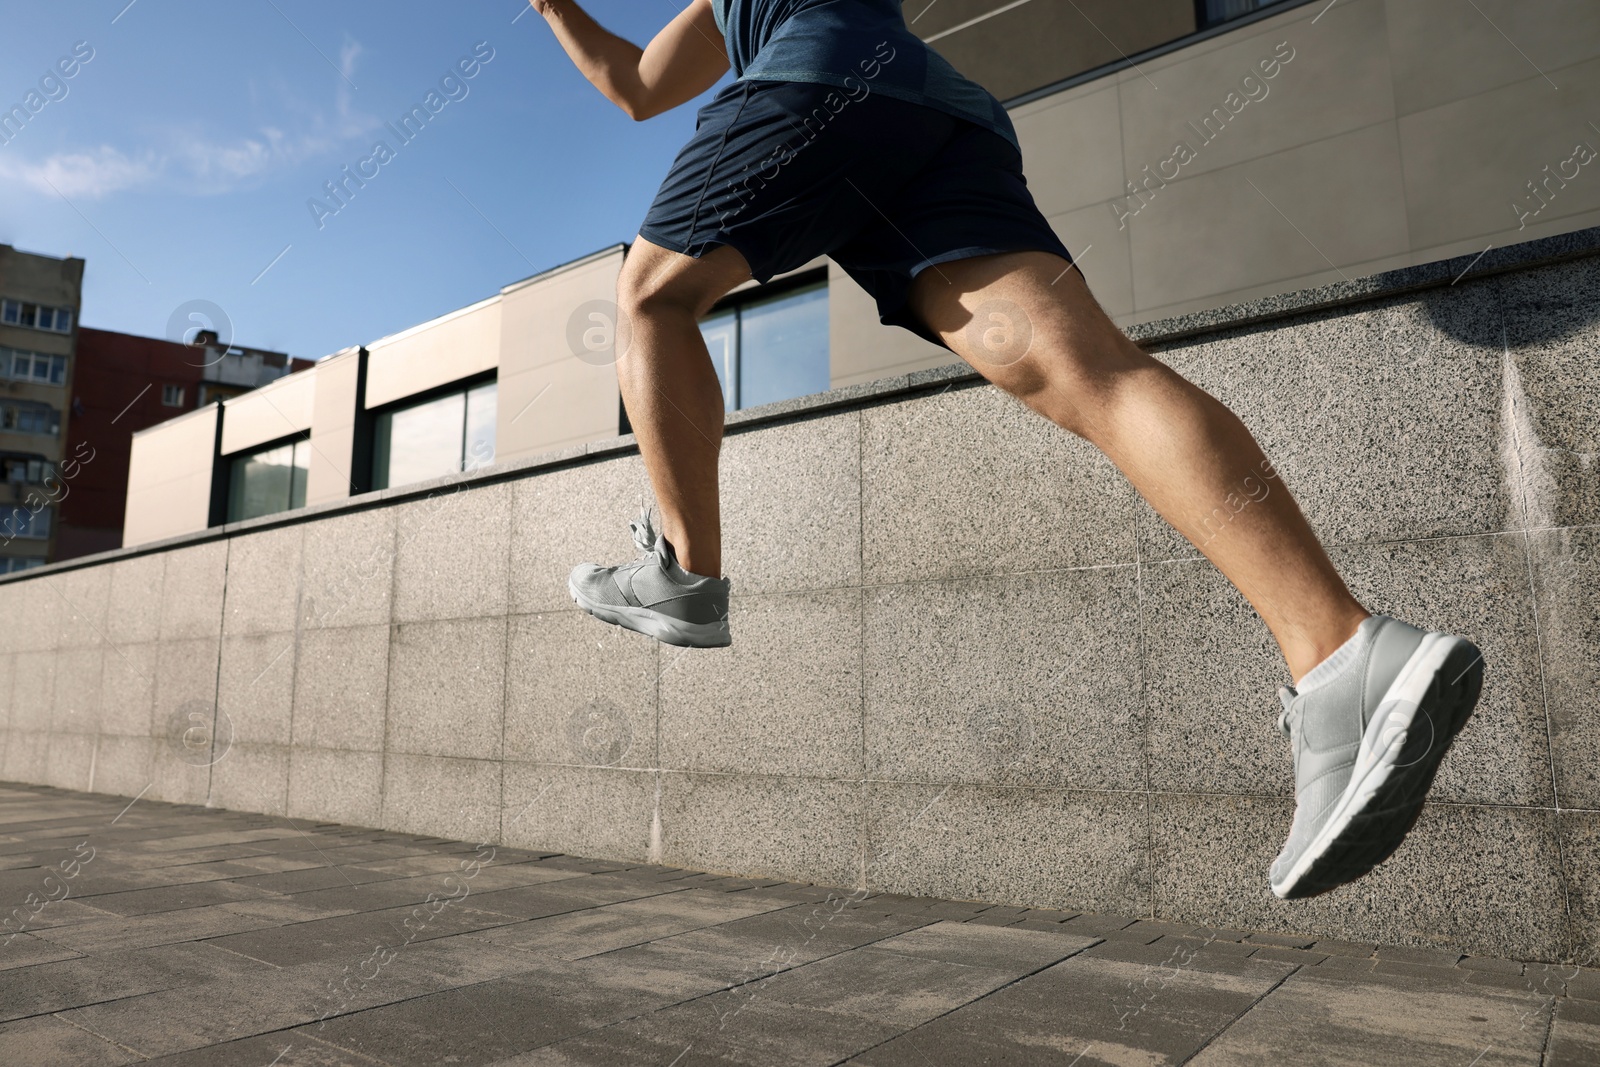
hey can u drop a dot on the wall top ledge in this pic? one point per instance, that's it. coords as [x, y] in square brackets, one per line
[1579, 244]
[1439, 274]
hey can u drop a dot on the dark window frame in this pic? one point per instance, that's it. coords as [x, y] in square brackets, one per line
[775, 288]
[8, 302]
[54, 361]
[1203, 19]
[22, 408]
[11, 517]
[46, 468]
[373, 418]
[1177, 44]
[229, 461]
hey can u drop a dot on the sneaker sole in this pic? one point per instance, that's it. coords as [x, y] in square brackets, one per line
[1395, 767]
[667, 630]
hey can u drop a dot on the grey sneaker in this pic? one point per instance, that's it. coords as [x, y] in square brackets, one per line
[655, 595]
[1366, 746]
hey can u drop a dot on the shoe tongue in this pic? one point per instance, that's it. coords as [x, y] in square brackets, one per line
[669, 557]
[644, 532]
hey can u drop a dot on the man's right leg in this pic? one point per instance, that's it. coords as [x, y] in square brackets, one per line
[674, 591]
[670, 387]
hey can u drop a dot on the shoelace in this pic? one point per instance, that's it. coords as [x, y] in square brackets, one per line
[644, 532]
[1286, 695]
[648, 540]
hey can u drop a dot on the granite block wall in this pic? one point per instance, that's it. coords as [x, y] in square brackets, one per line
[968, 660]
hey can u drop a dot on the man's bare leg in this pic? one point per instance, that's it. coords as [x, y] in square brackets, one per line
[670, 388]
[1040, 335]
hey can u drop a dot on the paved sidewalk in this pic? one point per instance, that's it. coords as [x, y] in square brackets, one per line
[182, 935]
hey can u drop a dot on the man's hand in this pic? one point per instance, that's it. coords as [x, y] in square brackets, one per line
[683, 61]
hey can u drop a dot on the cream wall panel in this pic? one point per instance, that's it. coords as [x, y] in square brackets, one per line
[49, 344]
[1550, 226]
[1337, 81]
[1072, 147]
[1468, 162]
[436, 353]
[270, 412]
[1217, 233]
[1102, 249]
[169, 478]
[333, 424]
[549, 397]
[1020, 47]
[1444, 50]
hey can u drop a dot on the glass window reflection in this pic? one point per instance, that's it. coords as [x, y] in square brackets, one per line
[481, 407]
[783, 346]
[446, 435]
[771, 348]
[267, 482]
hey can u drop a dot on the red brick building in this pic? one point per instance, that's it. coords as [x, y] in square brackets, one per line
[121, 384]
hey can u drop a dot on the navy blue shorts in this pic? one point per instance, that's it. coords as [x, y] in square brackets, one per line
[884, 187]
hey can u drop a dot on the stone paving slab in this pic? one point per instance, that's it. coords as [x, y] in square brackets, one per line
[199, 936]
[1360, 1024]
[1575, 1036]
[114, 976]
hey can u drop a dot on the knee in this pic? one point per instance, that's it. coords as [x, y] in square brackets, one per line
[647, 292]
[1081, 394]
[636, 291]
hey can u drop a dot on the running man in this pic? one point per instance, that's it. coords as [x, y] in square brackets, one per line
[845, 135]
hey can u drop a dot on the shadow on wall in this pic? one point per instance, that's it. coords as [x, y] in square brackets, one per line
[1543, 307]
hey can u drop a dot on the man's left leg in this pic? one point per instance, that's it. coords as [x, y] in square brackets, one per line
[1042, 337]
[1376, 701]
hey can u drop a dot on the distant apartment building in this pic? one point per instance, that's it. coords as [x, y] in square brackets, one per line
[1191, 153]
[39, 300]
[123, 384]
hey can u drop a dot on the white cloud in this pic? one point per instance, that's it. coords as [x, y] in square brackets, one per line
[191, 161]
[348, 54]
[202, 165]
[89, 175]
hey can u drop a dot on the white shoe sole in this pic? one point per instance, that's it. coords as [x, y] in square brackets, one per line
[667, 630]
[1379, 754]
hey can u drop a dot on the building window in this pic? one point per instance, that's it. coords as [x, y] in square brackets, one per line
[445, 435]
[1214, 12]
[33, 366]
[35, 316]
[24, 524]
[10, 564]
[770, 348]
[26, 470]
[172, 396]
[268, 481]
[25, 417]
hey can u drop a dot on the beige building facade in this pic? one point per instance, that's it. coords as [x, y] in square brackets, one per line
[1188, 166]
[39, 302]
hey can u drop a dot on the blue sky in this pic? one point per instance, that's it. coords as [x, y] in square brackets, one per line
[179, 160]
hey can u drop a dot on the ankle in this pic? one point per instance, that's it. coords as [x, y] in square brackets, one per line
[702, 569]
[700, 562]
[1313, 651]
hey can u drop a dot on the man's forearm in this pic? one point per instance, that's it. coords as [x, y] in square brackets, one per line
[608, 61]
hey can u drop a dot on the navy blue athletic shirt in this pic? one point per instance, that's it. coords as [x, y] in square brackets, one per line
[858, 46]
